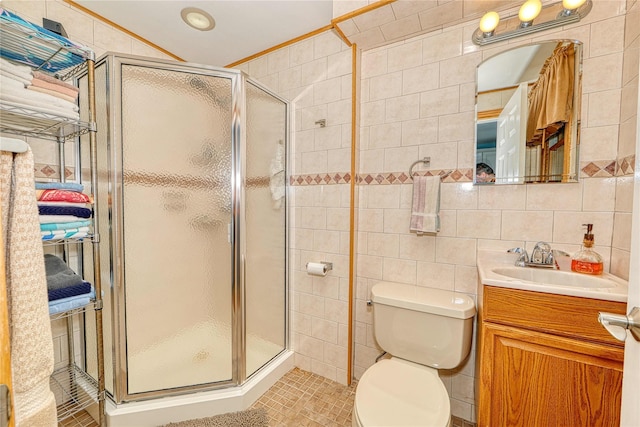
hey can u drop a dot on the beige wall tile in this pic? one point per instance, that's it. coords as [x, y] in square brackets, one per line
[602, 73]
[386, 86]
[405, 56]
[436, 275]
[483, 224]
[442, 46]
[604, 108]
[401, 28]
[418, 132]
[440, 102]
[598, 194]
[527, 225]
[456, 251]
[386, 135]
[568, 227]
[399, 270]
[622, 231]
[419, 248]
[402, 108]
[554, 197]
[384, 245]
[420, 79]
[504, 197]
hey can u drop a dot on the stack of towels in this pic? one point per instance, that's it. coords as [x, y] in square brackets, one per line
[37, 91]
[65, 211]
[66, 290]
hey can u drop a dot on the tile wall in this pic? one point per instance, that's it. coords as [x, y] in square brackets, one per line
[418, 100]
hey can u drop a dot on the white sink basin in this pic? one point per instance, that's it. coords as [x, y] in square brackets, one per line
[496, 268]
[554, 277]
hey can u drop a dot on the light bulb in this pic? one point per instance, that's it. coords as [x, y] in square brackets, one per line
[489, 22]
[572, 4]
[529, 11]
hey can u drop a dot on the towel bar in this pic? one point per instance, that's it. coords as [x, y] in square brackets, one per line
[426, 161]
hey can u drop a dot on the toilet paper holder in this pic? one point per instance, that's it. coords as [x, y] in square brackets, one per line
[311, 267]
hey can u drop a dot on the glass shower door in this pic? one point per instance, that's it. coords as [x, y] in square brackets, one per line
[176, 201]
[265, 225]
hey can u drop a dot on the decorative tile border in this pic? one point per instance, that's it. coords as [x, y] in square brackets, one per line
[320, 179]
[608, 168]
[43, 170]
[448, 175]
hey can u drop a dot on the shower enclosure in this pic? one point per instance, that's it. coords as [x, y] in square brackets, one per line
[192, 202]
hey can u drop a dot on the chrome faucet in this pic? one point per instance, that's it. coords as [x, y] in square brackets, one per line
[541, 256]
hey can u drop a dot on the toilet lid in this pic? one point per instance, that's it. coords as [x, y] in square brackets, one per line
[395, 392]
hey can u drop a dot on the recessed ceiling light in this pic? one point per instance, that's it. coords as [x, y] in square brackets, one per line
[197, 18]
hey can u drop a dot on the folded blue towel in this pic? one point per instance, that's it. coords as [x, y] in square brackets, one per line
[65, 210]
[64, 225]
[71, 186]
[71, 291]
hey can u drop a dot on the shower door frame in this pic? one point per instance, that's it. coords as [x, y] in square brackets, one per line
[114, 63]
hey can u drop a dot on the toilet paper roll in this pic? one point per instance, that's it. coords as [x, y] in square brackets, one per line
[317, 269]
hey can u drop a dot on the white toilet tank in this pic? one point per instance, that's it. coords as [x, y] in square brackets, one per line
[431, 327]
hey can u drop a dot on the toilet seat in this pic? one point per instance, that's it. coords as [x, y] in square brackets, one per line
[396, 392]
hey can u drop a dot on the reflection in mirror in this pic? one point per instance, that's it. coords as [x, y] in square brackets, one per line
[528, 114]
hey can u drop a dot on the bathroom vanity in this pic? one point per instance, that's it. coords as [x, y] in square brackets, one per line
[544, 359]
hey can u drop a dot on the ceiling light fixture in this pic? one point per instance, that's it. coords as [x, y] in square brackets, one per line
[550, 16]
[197, 18]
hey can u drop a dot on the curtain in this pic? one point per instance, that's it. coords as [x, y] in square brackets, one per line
[551, 97]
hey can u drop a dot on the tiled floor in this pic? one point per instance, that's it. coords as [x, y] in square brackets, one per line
[301, 399]
[298, 399]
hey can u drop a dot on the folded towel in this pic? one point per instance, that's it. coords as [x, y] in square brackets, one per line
[59, 275]
[73, 204]
[69, 291]
[71, 186]
[19, 78]
[62, 196]
[35, 98]
[50, 92]
[21, 72]
[65, 304]
[39, 78]
[426, 205]
[9, 101]
[66, 233]
[64, 225]
[65, 210]
[48, 219]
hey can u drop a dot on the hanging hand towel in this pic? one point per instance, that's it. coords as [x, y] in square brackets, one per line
[32, 354]
[426, 205]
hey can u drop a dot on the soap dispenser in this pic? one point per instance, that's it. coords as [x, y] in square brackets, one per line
[587, 260]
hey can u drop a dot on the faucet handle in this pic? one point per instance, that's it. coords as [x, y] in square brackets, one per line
[523, 259]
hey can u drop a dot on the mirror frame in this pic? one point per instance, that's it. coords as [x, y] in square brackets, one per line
[569, 157]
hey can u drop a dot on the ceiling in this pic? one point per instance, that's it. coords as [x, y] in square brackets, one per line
[243, 27]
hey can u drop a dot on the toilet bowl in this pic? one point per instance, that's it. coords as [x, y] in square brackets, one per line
[396, 392]
[423, 330]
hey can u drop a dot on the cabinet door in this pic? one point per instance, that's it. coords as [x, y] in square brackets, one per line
[535, 379]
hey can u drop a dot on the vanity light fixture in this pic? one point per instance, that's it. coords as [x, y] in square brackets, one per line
[197, 18]
[550, 16]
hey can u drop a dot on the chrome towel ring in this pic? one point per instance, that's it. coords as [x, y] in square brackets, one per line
[425, 160]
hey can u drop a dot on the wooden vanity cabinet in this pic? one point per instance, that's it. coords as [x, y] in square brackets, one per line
[546, 361]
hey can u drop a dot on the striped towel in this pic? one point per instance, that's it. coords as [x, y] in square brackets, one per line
[425, 208]
[70, 233]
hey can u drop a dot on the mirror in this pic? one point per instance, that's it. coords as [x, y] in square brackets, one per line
[528, 114]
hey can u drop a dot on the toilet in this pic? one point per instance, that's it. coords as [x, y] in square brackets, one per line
[423, 330]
